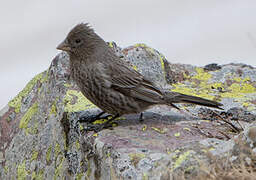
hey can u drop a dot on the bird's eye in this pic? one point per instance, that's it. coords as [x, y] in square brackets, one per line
[77, 41]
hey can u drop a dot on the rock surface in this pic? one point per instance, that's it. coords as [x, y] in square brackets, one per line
[40, 137]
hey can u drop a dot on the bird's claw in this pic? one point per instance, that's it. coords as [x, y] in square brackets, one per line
[98, 127]
[92, 118]
[89, 119]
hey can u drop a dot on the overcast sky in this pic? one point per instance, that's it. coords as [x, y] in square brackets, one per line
[194, 32]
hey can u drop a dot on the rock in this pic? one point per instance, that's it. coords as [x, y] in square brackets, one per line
[40, 136]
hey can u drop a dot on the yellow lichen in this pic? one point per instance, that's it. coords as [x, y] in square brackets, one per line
[246, 104]
[33, 129]
[27, 117]
[136, 157]
[181, 159]
[79, 176]
[58, 169]
[140, 45]
[81, 127]
[204, 120]
[202, 75]
[204, 150]
[89, 170]
[135, 68]
[177, 151]
[144, 128]
[67, 85]
[161, 131]
[207, 150]
[34, 155]
[57, 149]
[251, 107]
[33, 175]
[38, 176]
[17, 101]
[238, 90]
[182, 88]
[6, 169]
[77, 144]
[199, 85]
[177, 134]
[110, 44]
[162, 62]
[75, 101]
[145, 176]
[187, 129]
[211, 149]
[168, 151]
[21, 171]
[48, 154]
[53, 108]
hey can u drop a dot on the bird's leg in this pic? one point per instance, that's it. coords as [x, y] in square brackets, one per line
[93, 118]
[141, 117]
[99, 127]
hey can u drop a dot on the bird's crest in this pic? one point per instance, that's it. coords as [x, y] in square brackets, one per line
[82, 27]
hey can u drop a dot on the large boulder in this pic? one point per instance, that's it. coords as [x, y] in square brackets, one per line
[41, 138]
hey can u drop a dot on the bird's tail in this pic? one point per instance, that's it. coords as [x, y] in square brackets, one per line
[175, 97]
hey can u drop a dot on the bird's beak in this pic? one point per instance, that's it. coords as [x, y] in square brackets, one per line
[64, 46]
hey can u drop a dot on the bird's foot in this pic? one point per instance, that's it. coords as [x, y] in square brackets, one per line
[98, 127]
[92, 118]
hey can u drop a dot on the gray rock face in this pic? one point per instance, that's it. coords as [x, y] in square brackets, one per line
[40, 137]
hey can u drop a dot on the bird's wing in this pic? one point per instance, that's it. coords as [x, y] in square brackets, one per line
[131, 83]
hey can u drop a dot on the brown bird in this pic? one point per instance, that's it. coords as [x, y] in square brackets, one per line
[111, 83]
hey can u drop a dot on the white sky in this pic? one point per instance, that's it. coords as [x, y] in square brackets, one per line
[194, 32]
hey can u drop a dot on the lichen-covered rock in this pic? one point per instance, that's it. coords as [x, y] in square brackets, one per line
[40, 137]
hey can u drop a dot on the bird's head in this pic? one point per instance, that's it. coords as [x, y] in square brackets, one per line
[80, 40]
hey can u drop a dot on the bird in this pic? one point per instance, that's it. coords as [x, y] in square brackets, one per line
[111, 83]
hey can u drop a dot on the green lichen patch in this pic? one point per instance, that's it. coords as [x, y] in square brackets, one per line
[181, 158]
[33, 129]
[162, 59]
[53, 108]
[79, 176]
[34, 155]
[161, 131]
[21, 171]
[135, 68]
[199, 85]
[75, 101]
[110, 44]
[89, 169]
[145, 176]
[136, 157]
[59, 169]
[17, 101]
[238, 89]
[6, 169]
[77, 144]
[48, 155]
[202, 75]
[27, 117]
[57, 149]
[67, 85]
[39, 175]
